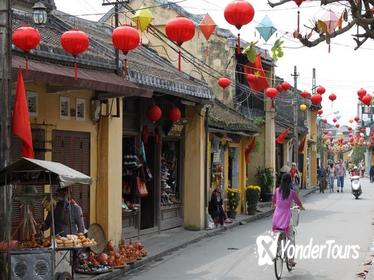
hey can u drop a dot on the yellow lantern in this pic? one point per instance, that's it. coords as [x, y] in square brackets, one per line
[303, 107]
[143, 17]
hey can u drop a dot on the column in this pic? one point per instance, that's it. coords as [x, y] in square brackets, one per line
[269, 134]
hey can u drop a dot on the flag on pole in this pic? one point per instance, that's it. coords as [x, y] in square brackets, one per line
[260, 82]
[20, 118]
[282, 136]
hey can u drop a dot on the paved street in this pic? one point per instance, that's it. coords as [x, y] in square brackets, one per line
[231, 256]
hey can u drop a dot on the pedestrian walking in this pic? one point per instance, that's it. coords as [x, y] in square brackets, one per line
[331, 176]
[371, 172]
[295, 176]
[321, 173]
[340, 174]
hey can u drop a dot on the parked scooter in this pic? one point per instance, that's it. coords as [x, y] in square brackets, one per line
[356, 186]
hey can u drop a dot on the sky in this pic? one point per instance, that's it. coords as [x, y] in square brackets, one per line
[343, 71]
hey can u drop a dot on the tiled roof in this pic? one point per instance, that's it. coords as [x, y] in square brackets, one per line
[224, 117]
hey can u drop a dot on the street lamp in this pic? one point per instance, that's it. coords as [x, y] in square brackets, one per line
[39, 13]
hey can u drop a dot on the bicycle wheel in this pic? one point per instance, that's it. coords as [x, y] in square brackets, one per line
[289, 267]
[278, 261]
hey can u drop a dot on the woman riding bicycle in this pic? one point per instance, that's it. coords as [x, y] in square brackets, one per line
[282, 200]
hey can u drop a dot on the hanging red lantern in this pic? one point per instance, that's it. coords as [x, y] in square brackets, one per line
[125, 38]
[154, 113]
[334, 120]
[280, 88]
[321, 90]
[357, 118]
[324, 121]
[174, 114]
[26, 38]
[286, 86]
[298, 2]
[305, 94]
[337, 125]
[239, 13]
[361, 93]
[325, 132]
[316, 99]
[224, 82]
[320, 112]
[207, 26]
[180, 30]
[271, 92]
[332, 97]
[75, 42]
[367, 99]
[349, 128]
[362, 130]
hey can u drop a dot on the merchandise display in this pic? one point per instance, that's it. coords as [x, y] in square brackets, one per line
[74, 241]
[93, 264]
[170, 193]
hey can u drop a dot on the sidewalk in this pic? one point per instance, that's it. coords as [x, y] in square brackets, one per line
[159, 245]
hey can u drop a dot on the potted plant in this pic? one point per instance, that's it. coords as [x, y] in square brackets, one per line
[233, 196]
[252, 196]
[265, 179]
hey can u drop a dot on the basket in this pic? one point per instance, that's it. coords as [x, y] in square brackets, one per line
[295, 217]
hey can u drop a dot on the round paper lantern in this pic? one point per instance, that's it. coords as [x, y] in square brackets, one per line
[325, 132]
[26, 38]
[366, 100]
[154, 113]
[239, 13]
[180, 30]
[286, 86]
[75, 42]
[250, 77]
[320, 112]
[303, 107]
[357, 118]
[316, 99]
[321, 90]
[271, 92]
[361, 93]
[362, 130]
[125, 39]
[224, 82]
[280, 88]
[174, 114]
[324, 120]
[349, 128]
[337, 125]
[305, 94]
[334, 120]
[332, 97]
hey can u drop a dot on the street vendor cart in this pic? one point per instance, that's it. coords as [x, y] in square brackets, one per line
[35, 258]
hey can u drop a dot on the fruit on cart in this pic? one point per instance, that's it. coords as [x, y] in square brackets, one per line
[102, 258]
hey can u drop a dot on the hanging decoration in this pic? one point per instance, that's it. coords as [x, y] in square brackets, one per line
[260, 82]
[280, 88]
[324, 120]
[302, 145]
[277, 50]
[327, 24]
[305, 94]
[320, 112]
[367, 99]
[154, 113]
[321, 90]
[361, 93]
[303, 107]
[357, 119]
[349, 128]
[271, 92]
[282, 136]
[180, 30]
[297, 32]
[316, 98]
[174, 114]
[125, 38]
[143, 18]
[334, 120]
[332, 97]
[75, 42]
[337, 125]
[239, 13]
[286, 86]
[224, 82]
[266, 28]
[249, 149]
[26, 38]
[207, 27]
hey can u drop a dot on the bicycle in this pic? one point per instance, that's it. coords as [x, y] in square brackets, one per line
[282, 241]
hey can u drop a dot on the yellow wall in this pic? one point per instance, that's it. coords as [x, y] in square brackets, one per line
[48, 118]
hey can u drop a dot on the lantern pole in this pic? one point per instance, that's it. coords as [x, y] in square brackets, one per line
[295, 75]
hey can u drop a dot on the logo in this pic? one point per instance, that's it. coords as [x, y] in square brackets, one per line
[267, 246]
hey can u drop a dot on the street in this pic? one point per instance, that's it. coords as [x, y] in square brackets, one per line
[232, 255]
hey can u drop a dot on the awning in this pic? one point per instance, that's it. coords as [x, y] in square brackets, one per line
[102, 81]
[62, 174]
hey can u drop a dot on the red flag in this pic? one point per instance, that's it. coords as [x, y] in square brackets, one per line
[302, 145]
[20, 120]
[282, 136]
[260, 83]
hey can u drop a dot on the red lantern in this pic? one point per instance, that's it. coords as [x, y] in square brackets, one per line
[325, 132]
[305, 94]
[174, 114]
[321, 90]
[26, 38]
[154, 113]
[361, 93]
[324, 121]
[316, 99]
[349, 128]
[224, 82]
[207, 26]
[337, 125]
[320, 112]
[334, 120]
[125, 38]
[298, 2]
[366, 100]
[280, 88]
[180, 30]
[75, 42]
[239, 13]
[271, 92]
[357, 118]
[332, 97]
[362, 130]
[286, 86]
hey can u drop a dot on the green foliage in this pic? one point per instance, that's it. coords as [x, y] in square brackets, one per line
[252, 196]
[259, 121]
[233, 196]
[358, 154]
[250, 51]
[277, 49]
[265, 179]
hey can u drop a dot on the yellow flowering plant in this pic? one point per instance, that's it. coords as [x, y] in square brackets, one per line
[233, 196]
[252, 195]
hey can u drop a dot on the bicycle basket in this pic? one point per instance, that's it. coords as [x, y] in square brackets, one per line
[295, 217]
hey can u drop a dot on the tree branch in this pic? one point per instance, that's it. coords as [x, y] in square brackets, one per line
[271, 4]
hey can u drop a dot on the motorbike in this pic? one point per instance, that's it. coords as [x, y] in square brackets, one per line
[356, 186]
